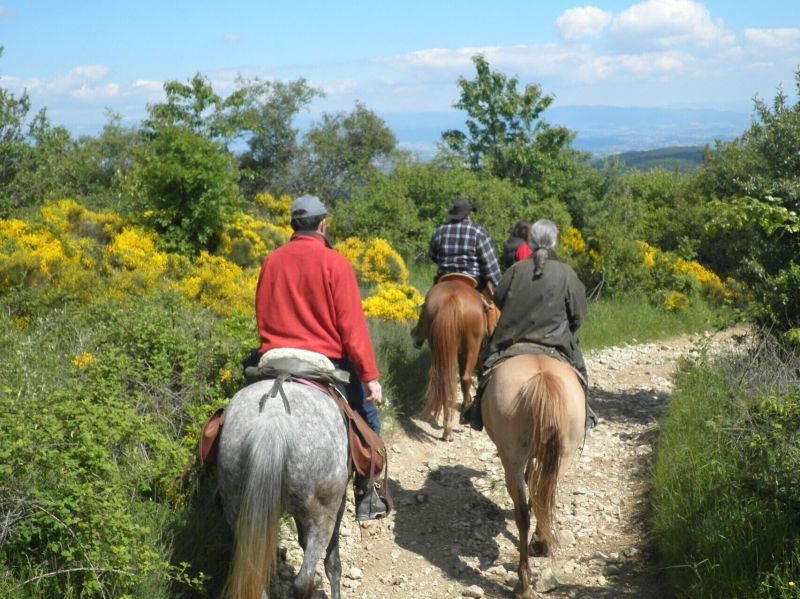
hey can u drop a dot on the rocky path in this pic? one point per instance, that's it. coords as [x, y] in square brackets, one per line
[453, 533]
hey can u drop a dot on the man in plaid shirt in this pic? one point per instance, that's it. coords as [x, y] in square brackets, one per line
[464, 247]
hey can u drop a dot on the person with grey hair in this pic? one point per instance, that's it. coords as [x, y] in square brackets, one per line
[542, 303]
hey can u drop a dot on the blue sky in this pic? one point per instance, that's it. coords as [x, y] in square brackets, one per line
[79, 58]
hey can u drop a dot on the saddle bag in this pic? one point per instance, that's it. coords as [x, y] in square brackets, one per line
[367, 450]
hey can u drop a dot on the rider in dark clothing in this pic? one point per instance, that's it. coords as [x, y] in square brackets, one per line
[542, 304]
[518, 236]
[462, 246]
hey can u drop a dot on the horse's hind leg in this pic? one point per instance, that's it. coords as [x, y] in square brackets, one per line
[466, 364]
[317, 533]
[333, 565]
[518, 491]
[447, 422]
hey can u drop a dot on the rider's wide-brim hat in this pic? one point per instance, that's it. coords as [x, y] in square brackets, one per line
[460, 210]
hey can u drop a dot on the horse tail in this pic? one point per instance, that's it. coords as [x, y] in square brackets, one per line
[545, 403]
[444, 339]
[259, 513]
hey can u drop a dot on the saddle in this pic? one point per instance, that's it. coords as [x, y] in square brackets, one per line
[368, 455]
[459, 277]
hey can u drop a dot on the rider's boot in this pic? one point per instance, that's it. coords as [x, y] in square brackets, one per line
[369, 504]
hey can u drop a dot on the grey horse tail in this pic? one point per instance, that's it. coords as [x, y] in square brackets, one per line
[260, 511]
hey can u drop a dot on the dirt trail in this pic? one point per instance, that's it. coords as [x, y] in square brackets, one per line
[453, 533]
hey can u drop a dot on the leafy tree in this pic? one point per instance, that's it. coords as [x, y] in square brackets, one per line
[194, 105]
[505, 133]
[265, 118]
[186, 185]
[755, 184]
[344, 149]
[105, 161]
[13, 112]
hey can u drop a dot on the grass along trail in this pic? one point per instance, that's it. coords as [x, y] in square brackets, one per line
[453, 532]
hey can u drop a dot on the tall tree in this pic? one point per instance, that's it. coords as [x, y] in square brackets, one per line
[505, 133]
[344, 149]
[265, 118]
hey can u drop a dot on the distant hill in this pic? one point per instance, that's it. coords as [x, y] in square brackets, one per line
[679, 158]
[600, 130]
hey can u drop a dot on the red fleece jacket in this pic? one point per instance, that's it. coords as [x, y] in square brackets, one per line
[307, 298]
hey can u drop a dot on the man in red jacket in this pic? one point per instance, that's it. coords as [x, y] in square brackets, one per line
[308, 298]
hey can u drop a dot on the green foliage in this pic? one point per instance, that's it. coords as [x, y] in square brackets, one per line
[755, 182]
[406, 205]
[194, 105]
[506, 135]
[779, 297]
[189, 185]
[633, 319]
[95, 410]
[726, 487]
[265, 120]
[343, 150]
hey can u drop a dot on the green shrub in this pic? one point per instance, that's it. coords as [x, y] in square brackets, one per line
[99, 409]
[726, 490]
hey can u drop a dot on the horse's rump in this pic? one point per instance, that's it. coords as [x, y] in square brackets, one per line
[272, 459]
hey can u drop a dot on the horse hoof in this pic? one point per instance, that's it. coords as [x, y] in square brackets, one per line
[448, 437]
[539, 549]
[520, 594]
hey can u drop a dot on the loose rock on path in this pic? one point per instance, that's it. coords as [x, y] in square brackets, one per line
[453, 533]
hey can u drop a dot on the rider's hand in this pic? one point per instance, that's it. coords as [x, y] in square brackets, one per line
[374, 392]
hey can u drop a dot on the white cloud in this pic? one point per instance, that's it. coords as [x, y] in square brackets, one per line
[99, 92]
[637, 65]
[341, 86]
[668, 24]
[233, 37]
[440, 58]
[148, 84]
[77, 77]
[581, 23]
[522, 59]
[774, 40]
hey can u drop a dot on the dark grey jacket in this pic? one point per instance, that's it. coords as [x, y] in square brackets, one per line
[545, 311]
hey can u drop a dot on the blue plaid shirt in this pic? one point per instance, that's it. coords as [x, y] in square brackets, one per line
[464, 247]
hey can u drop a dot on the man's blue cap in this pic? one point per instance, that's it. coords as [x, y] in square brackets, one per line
[308, 205]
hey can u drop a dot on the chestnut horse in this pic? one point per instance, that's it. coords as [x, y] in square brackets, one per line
[534, 411]
[455, 321]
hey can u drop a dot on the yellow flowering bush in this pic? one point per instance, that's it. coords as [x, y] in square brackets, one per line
[381, 264]
[676, 302]
[81, 361]
[31, 256]
[247, 241]
[393, 301]
[649, 254]
[708, 282]
[572, 242]
[219, 285]
[277, 210]
[70, 217]
[133, 261]
[351, 248]
[374, 261]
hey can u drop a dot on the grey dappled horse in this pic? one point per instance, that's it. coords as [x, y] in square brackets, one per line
[271, 461]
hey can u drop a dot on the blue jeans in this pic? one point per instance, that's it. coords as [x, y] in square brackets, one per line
[357, 398]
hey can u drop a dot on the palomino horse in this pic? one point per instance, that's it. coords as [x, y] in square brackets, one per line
[275, 457]
[455, 322]
[534, 411]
